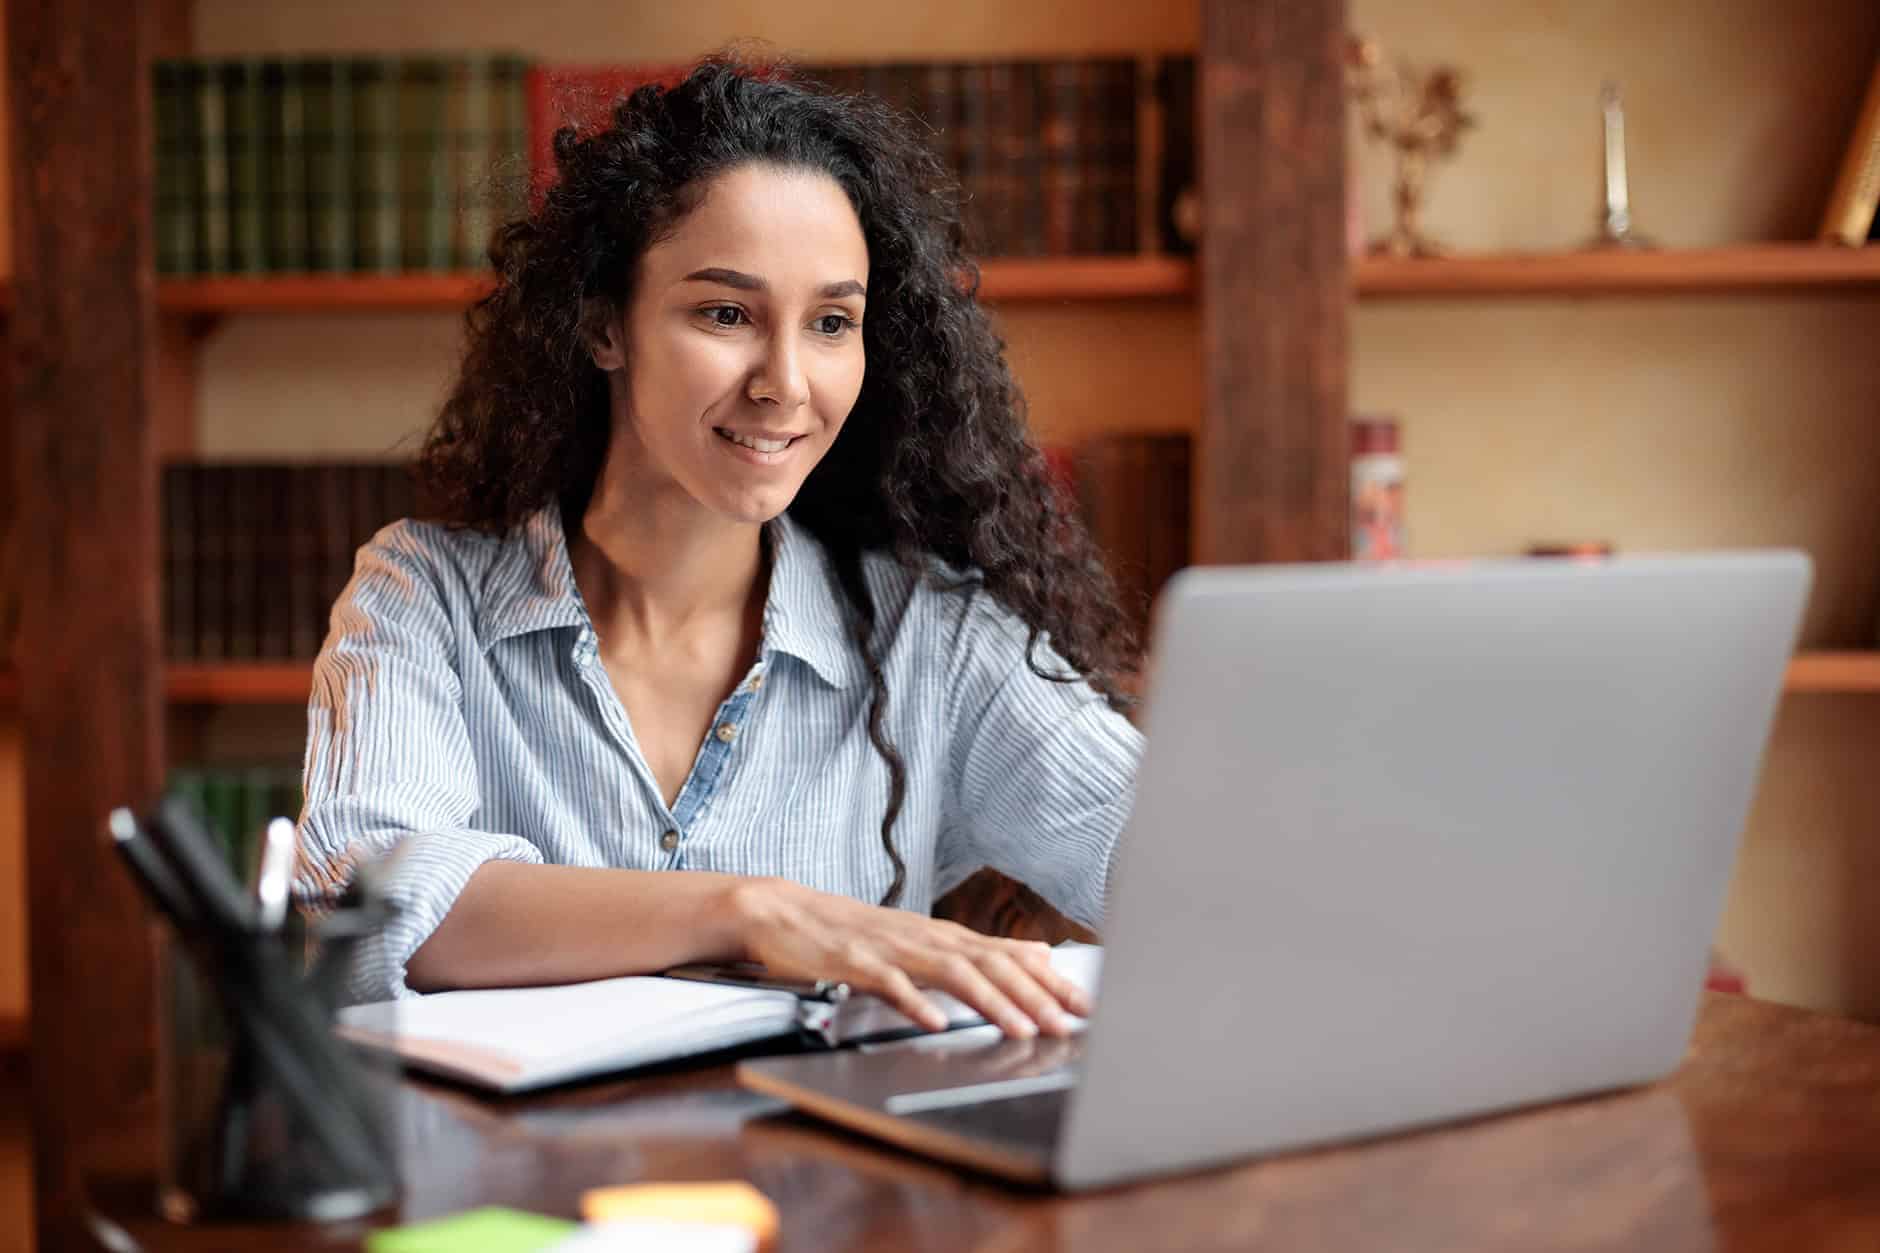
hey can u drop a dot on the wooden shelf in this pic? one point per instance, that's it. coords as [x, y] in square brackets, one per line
[1026, 280]
[1622, 272]
[247, 683]
[1015, 280]
[1835, 672]
[314, 293]
[288, 682]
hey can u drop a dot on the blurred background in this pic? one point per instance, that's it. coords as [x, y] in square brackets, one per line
[1722, 390]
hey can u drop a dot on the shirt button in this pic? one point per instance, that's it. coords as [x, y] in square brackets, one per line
[727, 732]
[669, 841]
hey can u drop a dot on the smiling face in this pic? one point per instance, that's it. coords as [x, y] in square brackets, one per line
[740, 355]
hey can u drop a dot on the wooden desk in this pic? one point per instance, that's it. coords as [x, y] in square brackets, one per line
[1768, 1137]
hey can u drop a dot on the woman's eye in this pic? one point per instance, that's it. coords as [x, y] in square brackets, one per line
[834, 323]
[725, 315]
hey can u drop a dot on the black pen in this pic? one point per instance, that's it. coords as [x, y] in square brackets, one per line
[751, 975]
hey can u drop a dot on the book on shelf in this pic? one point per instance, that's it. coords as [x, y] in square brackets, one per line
[1133, 494]
[254, 554]
[268, 165]
[236, 803]
[517, 1039]
[581, 96]
[1854, 203]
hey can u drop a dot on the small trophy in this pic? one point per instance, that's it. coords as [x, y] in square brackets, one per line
[1615, 224]
[1420, 116]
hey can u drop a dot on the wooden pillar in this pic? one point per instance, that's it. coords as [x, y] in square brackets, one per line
[82, 343]
[1272, 463]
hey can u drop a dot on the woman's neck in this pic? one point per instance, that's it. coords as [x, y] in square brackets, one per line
[650, 574]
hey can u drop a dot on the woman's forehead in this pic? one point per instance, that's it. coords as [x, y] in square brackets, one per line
[789, 227]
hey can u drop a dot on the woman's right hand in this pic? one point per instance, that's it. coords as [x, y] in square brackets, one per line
[800, 933]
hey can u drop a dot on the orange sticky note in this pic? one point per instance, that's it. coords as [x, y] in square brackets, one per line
[732, 1203]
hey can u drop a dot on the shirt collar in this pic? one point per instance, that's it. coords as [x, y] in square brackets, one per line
[530, 587]
[807, 614]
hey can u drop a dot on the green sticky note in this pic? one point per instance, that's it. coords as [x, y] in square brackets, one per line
[488, 1230]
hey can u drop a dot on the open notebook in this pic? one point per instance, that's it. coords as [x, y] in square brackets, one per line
[514, 1039]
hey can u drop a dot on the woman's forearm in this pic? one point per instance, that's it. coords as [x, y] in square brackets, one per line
[517, 923]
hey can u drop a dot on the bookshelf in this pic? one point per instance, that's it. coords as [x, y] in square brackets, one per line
[1847, 672]
[1736, 269]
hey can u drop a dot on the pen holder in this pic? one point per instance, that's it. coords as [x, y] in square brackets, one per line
[266, 1114]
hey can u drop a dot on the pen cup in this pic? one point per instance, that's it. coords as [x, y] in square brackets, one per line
[266, 1115]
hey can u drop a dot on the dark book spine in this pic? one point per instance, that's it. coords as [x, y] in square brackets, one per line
[274, 623]
[1065, 86]
[285, 135]
[375, 165]
[470, 161]
[423, 191]
[1025, 155]
[211, 567]
[327, 89]
[213, 197]
[336, 552]
[248, 161]
[1176, 98]
[239, 564]
[304, 610]
[179, 559]
[1114, 177]
[939, 105]
[974, 155]
[367, 505]
[509, 135]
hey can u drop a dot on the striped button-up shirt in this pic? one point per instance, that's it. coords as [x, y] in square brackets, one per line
[460, 710]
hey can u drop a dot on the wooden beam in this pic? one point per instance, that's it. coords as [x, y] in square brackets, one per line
[82, 345]
[1272, 463]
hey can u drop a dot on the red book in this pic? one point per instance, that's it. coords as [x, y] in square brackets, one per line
[581, 96]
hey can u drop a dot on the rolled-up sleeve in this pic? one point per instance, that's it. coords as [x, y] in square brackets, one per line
[389, 763]
[1044, 771]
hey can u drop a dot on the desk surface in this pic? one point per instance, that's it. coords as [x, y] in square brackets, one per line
[1768, 1137]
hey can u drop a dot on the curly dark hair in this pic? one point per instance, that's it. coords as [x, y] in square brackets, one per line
[936, 460]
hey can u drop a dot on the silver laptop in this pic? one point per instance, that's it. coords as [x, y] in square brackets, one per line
[1408, 844]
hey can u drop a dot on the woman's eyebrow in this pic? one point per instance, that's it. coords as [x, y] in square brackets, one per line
[751, 282]
[728, 278]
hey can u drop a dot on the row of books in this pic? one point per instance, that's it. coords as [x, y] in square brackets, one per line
[1059, 157]
[255, 554]
[408, 163]
[237, 802]
[337, 164]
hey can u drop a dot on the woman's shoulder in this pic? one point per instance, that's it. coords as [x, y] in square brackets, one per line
[456, 562]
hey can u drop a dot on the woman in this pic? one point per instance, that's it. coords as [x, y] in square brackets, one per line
[745, 567]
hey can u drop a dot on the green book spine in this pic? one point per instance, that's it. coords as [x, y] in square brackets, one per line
[470, 166]
[327, 88]
[247, 147]
[509, 150]
[222, 812]
[213, 225]
[286, 226]
[375, 164]
[424, 226]
[257, 792]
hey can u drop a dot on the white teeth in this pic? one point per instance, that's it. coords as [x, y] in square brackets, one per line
[761, 445]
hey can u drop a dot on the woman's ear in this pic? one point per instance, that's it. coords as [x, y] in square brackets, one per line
[606, 336]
